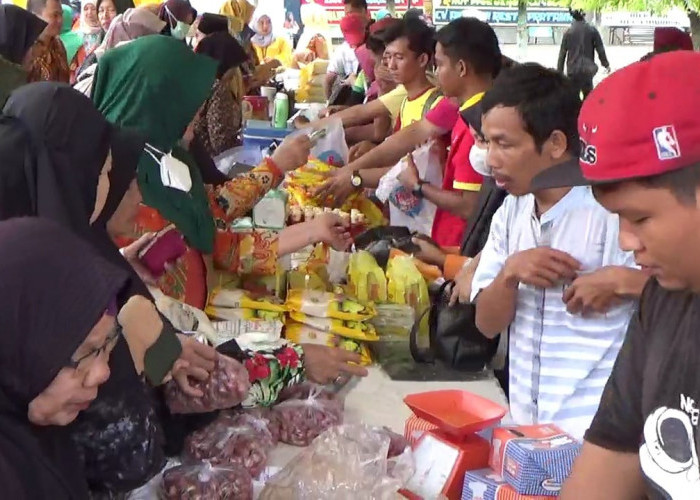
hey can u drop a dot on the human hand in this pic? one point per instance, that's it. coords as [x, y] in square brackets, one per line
[131, 254]
[292, 153]
[409, 176]
[331, 110]
[542, 267]
[323, 364]
[360, 149]
[462, 289]
[196, 361]
[338, 187]
[607, 70]
[429, 253]
[593, 293]
[330, 229]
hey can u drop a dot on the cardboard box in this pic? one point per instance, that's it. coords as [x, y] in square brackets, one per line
[415, 428]
[485, 484]
[534, 459]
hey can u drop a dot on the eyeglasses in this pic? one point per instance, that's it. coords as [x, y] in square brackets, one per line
[108, 345]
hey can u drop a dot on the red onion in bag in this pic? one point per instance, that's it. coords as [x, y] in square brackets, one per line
[303, 391]
[226, 387]
[302, 420]
[206, 482]
[224, 443]
[397, 443]
[263, 420]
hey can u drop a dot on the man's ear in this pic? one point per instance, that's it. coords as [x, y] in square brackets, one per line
[424, 60]
[463, 68]
[556, 145]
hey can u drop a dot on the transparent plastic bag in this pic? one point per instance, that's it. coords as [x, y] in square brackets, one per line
[346, 462]
[302, 420]
[226, 442]
[204, 481]
[261, 419]
[226, 387]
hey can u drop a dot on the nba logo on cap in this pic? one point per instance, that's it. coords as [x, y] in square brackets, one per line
[667, 146]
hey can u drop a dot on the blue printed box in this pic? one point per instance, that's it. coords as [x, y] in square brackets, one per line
[485, 484]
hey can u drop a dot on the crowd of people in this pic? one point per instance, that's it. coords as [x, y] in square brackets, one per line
[578, 214]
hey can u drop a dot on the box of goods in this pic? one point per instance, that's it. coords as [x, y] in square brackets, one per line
[271, 211]
[260, 134]
[485, 484]
[415, 427]
[533, 459]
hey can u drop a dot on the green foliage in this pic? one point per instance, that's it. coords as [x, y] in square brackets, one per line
[654, 6]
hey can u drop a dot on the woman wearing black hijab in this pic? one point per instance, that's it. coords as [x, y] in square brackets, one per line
[59, 161]
[58, 329]
[19, 30]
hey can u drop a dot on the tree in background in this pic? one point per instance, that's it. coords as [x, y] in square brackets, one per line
[691, 7]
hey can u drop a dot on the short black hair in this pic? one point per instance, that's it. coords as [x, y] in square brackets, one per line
[577, 14]
[682, 183]
[36, 6]
[474, 42]
[356, 4]
[420, 36]
[545, 99]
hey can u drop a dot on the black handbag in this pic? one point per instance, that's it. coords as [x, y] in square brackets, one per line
[454, 339]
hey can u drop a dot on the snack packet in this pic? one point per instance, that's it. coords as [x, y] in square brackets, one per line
[407, 286]
[350, 329]
[328, 305]
[367, 280]
[237, 299]
[206, 482]
[302, 420]
[226, 387]
[302, 334]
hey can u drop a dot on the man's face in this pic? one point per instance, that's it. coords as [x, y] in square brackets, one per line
[403, 63]
[449, 74]
[659, 229]
[53, 15]
[512, 154]
[349, 9]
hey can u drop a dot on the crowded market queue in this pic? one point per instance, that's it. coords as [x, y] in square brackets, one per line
[162, 313]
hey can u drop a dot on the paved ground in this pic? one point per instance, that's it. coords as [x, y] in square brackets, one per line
[618, 55]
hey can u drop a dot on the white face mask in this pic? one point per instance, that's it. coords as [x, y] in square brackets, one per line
[180, 31]
[477, 158]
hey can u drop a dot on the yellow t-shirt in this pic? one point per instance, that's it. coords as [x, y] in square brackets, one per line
[280, 49]
[393, 100]
[412, 110]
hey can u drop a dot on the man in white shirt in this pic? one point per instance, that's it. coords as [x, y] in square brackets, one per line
[552, 274]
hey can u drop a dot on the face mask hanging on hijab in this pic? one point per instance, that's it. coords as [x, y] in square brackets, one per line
[173, 173]
[180, 31]
[477, 159]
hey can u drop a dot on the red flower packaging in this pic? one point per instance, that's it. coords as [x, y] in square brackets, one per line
[302, 420]
[226, 387]
[206, 482]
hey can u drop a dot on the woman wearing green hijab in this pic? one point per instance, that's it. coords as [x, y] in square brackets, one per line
[72, 40]
[156, 85]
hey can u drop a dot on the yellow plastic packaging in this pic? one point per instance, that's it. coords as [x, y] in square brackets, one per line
[328, 305]
[367, 280]
[406, 285]
[227, 313]
[349, 329]
[302, 334]
[239, 299]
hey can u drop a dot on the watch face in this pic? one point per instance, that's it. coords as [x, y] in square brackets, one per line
[356, 181]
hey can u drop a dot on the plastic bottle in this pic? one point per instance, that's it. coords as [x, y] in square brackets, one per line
[281, 110]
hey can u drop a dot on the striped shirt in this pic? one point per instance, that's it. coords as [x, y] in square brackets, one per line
[559, 362]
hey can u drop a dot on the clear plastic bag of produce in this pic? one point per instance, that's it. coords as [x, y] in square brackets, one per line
[226, 387]
[346, 462]
[261, 419]
[228, 442]
[302, 420]
[204, 481]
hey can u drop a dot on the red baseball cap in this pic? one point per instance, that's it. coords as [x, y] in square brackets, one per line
[354, 28]
[639, 122]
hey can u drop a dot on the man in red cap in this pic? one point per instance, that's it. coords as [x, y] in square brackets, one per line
[640, 149]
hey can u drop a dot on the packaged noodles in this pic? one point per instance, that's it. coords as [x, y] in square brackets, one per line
[239, 299]
[406, 285]
[349, 329]
[302, 334]
[328, 305]
[366, 278]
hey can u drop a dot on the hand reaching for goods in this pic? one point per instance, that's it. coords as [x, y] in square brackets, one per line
[292, 153]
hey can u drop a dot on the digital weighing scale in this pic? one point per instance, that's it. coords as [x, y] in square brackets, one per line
[442, 456]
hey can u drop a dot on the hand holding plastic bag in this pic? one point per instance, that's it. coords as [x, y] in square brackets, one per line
[344, 463]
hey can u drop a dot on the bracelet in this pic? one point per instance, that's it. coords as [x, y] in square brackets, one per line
[274, 167]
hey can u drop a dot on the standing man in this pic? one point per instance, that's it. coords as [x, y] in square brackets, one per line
[577, 49]
[49, 59]
[644, 441]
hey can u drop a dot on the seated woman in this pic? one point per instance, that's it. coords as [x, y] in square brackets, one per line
[19, 31]
[178, 16]
[218, 122]
[268, 47]
[54, 353]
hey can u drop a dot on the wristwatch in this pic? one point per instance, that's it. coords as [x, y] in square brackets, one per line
[418, 189]
[356, 180]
